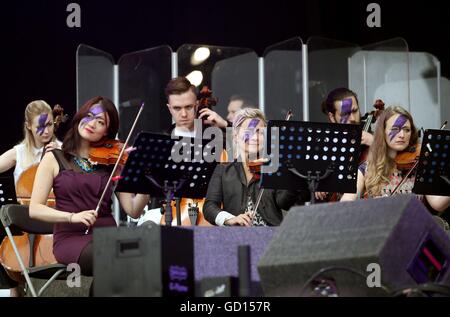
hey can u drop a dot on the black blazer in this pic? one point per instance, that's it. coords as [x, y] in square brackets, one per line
[228, 186]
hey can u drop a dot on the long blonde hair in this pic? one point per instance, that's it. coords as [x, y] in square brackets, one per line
[32, 110]
[379, 165]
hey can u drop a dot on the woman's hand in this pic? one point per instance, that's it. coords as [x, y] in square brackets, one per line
[366, 138]
[87, 217]
[320, 195]
[240, 220]
[51, 146]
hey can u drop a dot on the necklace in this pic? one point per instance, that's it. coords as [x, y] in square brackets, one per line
[84, 164]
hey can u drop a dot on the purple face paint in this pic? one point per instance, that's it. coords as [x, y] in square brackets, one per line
[397, 126]
[250, 131]
[346, 109]
[94, 111]
[41, 123]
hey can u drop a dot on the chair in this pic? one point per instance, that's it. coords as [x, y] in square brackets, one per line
[16, 221]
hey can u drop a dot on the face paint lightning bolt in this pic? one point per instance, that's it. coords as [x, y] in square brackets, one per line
[346, 109]
[94, 111]
[250, 131]
[397, 126]
[41, 123]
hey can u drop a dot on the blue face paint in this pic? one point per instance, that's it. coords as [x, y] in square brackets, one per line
[397, 126]
[94, 111]
[346, 109]
[250, 131]
[41, 123]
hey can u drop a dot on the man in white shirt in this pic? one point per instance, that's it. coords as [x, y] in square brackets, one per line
[183, 104]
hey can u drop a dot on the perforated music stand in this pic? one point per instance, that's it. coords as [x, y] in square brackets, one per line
[317, 156]
[7, 191]
[151, 169]
[433, 171]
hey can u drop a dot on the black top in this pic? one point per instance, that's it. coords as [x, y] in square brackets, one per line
[228, 186]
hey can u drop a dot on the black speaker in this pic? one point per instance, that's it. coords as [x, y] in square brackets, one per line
[143, 261]
[362, 248]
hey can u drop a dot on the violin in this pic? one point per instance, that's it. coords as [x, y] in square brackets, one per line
[108, 153]
[112, 152]
[405, 160]
[408, 160]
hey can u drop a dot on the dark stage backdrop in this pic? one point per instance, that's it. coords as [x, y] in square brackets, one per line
[38, 49]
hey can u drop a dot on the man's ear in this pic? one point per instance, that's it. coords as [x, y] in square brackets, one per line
[331, 117]
[27, 126]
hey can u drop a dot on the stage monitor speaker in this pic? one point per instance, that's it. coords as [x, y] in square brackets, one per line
[217, 256]
[225, 286]
[362, 248]
[149, 260]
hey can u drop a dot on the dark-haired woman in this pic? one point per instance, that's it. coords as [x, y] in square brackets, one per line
[78, 185]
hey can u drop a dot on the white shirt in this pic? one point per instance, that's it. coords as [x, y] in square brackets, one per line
[20, 158]
[183, 133]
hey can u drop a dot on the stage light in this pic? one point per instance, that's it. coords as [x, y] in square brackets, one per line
[195, 77]
[200, 55]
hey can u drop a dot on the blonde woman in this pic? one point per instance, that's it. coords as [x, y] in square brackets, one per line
[38, 132]
[379, 176]
[233, 188]
[39, 136]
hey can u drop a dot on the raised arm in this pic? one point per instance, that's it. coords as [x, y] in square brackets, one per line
[133, 204]
[7, 160]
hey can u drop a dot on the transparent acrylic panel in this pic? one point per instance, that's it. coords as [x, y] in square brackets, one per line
[283, 80]
[327, 70]
[424, 85]
[445, 99]
[143, 75]
[383, 70]
[228, 71]
[95, 74]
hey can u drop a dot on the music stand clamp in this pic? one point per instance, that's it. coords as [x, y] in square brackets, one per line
[151, 169]
[318, 156]
[312, 180]
[433, 171]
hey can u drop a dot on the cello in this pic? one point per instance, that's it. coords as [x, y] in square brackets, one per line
[187, 206]
[39, 246]
[371, 117]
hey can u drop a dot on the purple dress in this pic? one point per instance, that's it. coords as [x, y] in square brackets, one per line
[75, 192]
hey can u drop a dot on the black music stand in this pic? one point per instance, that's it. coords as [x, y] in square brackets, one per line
[320, 156]
[151, 169]
[433, 171]
[7, 191]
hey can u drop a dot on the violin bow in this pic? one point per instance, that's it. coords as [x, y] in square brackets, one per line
[117, 162]
[258, 200]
